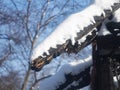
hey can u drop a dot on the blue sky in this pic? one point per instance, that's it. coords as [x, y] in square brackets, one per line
[21, 5]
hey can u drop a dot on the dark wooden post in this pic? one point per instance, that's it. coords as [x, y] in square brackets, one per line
[102, 77]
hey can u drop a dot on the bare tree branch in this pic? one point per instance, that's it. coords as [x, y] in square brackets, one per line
[4, 58]
[38, 80]
[27, 21]
[13, 2]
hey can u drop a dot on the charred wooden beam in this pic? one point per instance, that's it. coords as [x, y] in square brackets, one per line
[67, 47]
[105, 62]
[39, 62]
[83, 79]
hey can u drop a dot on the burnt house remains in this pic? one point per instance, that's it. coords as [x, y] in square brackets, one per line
[105, 54]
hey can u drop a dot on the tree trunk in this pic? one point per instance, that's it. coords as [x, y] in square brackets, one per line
[26, 78]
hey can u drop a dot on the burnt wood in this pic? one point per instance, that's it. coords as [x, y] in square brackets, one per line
[106, 59]
[108, 42]
[40, 61]
[101, 74]
[107, 48]
[83, 79]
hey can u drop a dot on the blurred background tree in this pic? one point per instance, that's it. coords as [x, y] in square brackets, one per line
[24, 24]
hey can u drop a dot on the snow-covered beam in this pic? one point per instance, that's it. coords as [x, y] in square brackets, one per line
[76, 27]
[77, 71]
[39, 62]
[80, 80]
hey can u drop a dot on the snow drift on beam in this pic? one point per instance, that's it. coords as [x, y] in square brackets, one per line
[115, 18]
[74, 24]
[73, 68]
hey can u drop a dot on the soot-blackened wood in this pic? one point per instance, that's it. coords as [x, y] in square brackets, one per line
[110, 42]
[93, 73]
[104, 52]
[104, 77]
[67, 47]
[83, 79]
[39, 62]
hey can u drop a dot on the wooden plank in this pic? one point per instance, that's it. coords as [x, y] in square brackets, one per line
[102, 75]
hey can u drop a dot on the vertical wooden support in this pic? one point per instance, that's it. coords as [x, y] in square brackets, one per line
[102, 78]
[93, 74]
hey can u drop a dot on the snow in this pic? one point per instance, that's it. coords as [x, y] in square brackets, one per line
[73, 67]
[85, 88]
[68, 63]
[106, 4]
[103, 30]
[116, 83]
[116, 17]
[69, 28]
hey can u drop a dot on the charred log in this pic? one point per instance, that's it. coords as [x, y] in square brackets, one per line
[39, 62]
[67, 47]
[83, 79]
